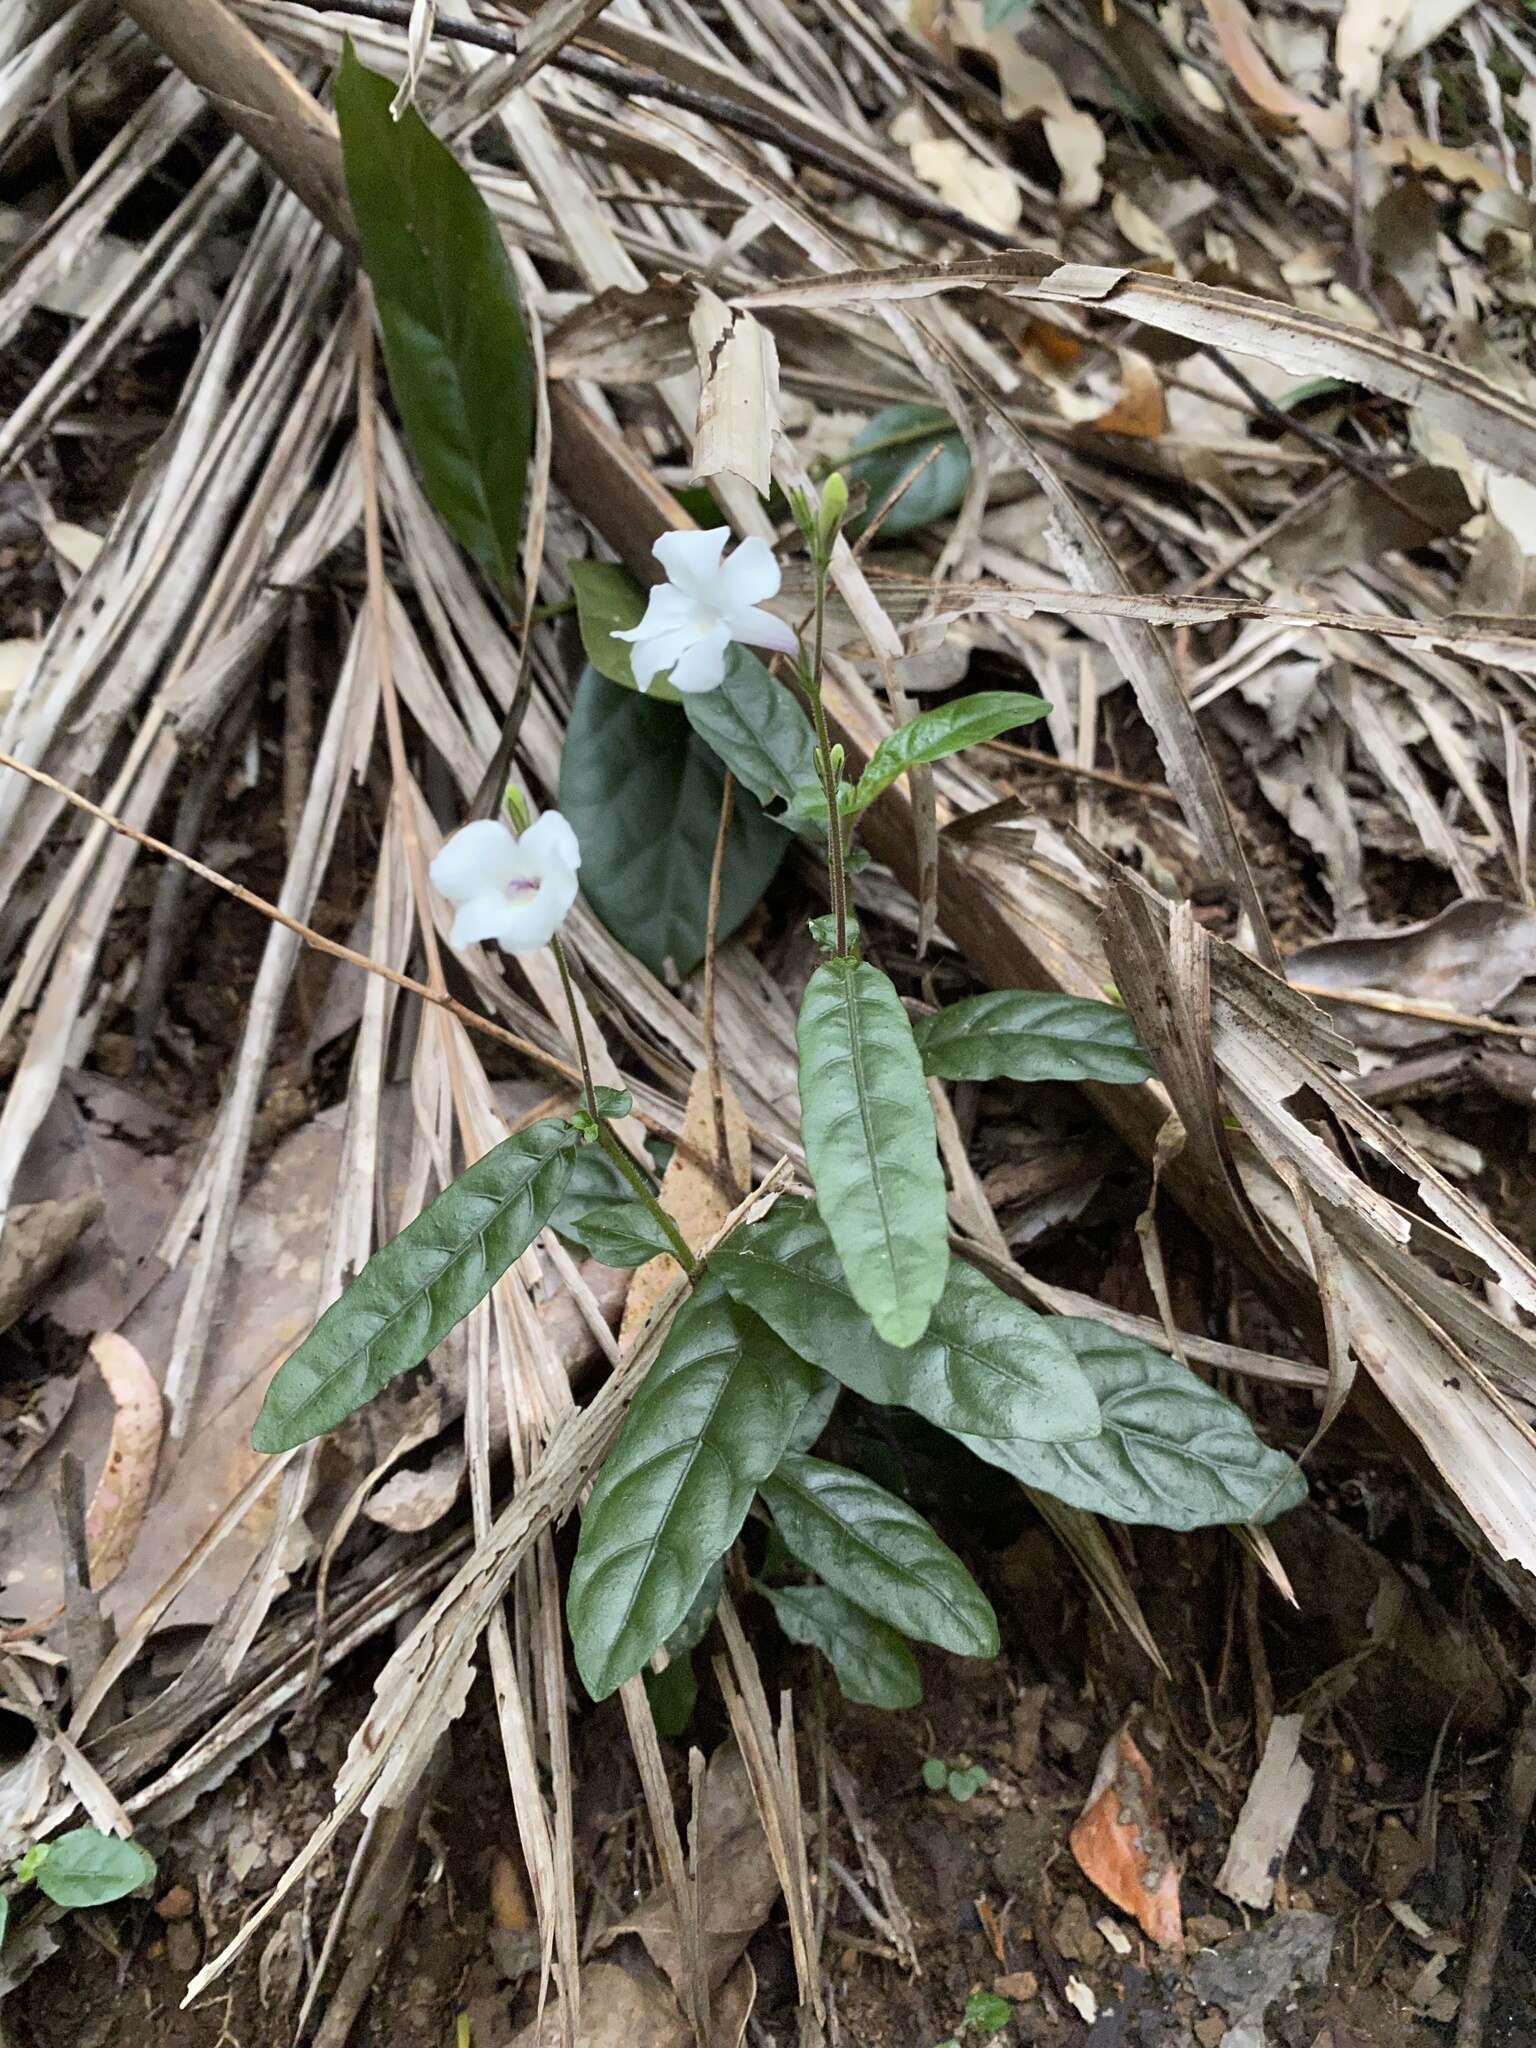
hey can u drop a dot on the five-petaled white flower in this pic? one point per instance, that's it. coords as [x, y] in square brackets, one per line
[514, 888]
[703, 606]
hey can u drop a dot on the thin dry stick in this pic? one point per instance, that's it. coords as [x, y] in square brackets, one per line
[711, 940]
[630, 82]
[901, 485]
[1158, 791]
[471, 1019]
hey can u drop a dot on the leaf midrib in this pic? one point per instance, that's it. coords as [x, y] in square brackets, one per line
[362, 1350]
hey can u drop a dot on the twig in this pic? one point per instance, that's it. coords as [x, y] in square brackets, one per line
[628, 80]
[298, 713]
[1158, 791]
[1403, 1006]
[711, 942]
[1503, 1866]
[471, 1019]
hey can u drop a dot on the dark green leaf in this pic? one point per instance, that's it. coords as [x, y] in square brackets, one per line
[880, 1553]
[459, 362]
[824, 931]
[707, 1427]
[1173, 1452]
[1017, 1035]
[935, 1774]
[609, 601]
[932, 734]
[613, 1102]
[697, 1622]
[594, 1182]
[673, 1695]
[621, 1233]
[816, 1414]
[412, 1293]
[867, 1126]
[873, 1664]
[984, 1356]
[987, 2013]
[757, 728]
[642, 792]
[88, 1868]
[891, 447]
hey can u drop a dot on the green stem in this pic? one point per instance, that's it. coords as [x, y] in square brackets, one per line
[636, 1179]
[835, 869]
[581, 1038]
[605, 1138]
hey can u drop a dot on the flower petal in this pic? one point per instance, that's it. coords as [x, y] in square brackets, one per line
[754, 628]
[747, 576]
[551, 841]
[692, 560]
[703, 666]
[665, 610]
[481, 917]
[534, 920]
[478, 857]
[656, 653]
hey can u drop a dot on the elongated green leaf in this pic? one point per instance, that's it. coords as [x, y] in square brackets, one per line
[88, 1868]
[873, 1665]
[933, 734]
[707, 1427]
[609, 601]
[756, 727]
[816, 1413]
[868, 1130]
[412, 1293]
[1173, 1452]
[1018, 1035]
[642, 792]
[621, 1233]
[984, 1356]
[897, 442]
[880, 1553]
[459, 362]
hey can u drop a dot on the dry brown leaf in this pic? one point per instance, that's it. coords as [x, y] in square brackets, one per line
[1030, 86]
[122, 1492]
[1327, 126]
[694, 1199]
[1139, 411]
[1366, 32]
[1119, 1843]
[1469, 958]
[738, 394]
[737, 1883]
[981, 191]
[624, 2009]
[1437, 159]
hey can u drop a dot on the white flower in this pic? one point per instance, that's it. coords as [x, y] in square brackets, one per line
[703, 606]
[514, 889]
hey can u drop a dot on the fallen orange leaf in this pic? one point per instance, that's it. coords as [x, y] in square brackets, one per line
[1120, 1845]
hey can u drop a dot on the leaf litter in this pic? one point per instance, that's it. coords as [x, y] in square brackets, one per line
[1334, 686]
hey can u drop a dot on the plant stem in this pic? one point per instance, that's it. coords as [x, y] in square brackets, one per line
[836, 874]
[621, 1159]
[605, 1138]
[581, 1038]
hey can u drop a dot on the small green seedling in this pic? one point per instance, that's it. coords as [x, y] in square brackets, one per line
[985, 2013]
[82, 1868]
[960, 1781]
